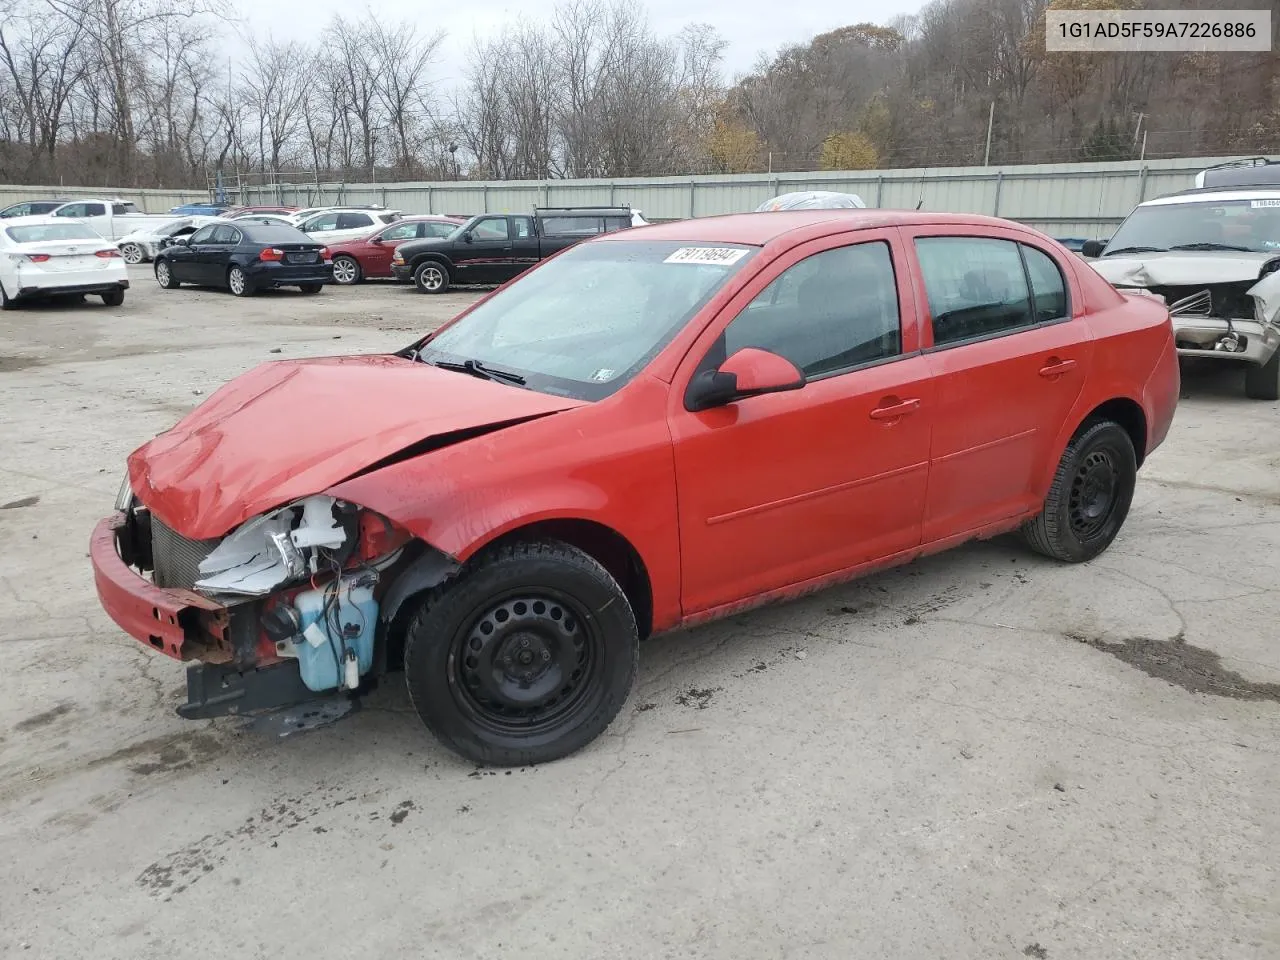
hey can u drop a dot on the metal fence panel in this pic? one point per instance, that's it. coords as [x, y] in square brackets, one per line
[1066, 199]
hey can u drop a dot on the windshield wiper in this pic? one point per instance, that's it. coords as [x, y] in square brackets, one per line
[478, 369]
[1208, 245]
[1112, 253]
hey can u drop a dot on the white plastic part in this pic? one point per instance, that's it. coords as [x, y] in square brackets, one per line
[351, 671]
[267, 551]
[315, 635]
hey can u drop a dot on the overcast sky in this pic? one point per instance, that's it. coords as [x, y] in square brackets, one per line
[749, 26]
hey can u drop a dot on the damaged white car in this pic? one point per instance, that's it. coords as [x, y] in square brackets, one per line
[1213, 255]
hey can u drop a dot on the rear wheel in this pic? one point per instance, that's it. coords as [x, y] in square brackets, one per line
[525, 657]
[431, 277]
[1263, 382]
[1089, 497]
[346, 271]
[310, 287]
[132, 253]
[113, 298]
[238, 282]
[5, 302]
[164, 275]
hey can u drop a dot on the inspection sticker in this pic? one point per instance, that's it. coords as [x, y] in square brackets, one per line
[717, 255]
[1264, 203]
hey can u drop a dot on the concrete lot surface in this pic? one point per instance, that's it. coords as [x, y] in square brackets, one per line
[979, 756]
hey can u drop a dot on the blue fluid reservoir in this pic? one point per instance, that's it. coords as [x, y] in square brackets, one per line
[320, 650]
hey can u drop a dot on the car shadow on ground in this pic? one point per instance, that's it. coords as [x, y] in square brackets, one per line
[1219, 379]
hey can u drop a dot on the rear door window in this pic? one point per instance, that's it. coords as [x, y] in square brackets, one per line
[401, 231]
[354, 221]
[976, 287]
[437, 229]
[325, 221]
[523, 227]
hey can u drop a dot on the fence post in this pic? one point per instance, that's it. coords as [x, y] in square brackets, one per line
[429, 210]
[880, 190]
[1142, 184]
[484, 189]
[613, 191]
[999, 185]
[693, 193]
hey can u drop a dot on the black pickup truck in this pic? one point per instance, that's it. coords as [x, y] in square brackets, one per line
[494, 247]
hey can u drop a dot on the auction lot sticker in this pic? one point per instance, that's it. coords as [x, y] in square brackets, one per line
[721, 256]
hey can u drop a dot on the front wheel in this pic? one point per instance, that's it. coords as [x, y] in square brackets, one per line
[1263, 382]
[164, 275]
[132, 253]
[310, 287]
[1090, 495]
[113, 298]
[525, 657]
[238, 282]
[431, 277]
[346, 271]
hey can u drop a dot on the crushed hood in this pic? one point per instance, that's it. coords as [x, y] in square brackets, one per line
[1181, 269]
[1191, 268]
[292, 428]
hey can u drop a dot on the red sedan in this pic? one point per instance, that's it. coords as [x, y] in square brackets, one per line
[357, 260]
[653, 429]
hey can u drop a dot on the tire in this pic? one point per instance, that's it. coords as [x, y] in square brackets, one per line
[1090, 495]
[1263, 382]
[238, 283]
[5, 302]
[311, 287]
[164, 276]
[132, 253]
[113, 298]
[545, 601]
[346, 271]
[431, 277]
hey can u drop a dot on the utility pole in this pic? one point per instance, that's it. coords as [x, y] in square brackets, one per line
[1143, 155]
[991, 120]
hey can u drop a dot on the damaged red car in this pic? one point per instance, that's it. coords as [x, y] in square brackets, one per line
[653, 429]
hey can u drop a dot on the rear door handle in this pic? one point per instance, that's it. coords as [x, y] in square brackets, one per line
[1053, 367]
[893, 408]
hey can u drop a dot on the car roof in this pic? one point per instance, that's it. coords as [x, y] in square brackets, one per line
[1215, 195]
[759, 229]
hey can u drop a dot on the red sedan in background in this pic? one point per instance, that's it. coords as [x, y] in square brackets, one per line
[357, 260]
[655, 428]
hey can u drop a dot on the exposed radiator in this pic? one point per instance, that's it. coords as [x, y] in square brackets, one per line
[177, 559]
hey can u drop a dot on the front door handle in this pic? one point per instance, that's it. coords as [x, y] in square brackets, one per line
[892, 408]
[1053, 367]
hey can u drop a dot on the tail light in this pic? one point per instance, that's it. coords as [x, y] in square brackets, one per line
[271, 255]
[107, 254]
[325, 255]
[37, 257]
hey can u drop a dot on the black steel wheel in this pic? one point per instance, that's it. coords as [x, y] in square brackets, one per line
[113, 297]
[523, 658]
[1090, 495]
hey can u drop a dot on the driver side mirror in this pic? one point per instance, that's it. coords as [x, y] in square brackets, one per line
[1093, 248]
[466, 237]
[748, 373]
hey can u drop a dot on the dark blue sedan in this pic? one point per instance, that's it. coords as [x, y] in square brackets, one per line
[245, 258]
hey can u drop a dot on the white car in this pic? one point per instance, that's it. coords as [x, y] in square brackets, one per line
[345, 223]
[143, 243]
[49, 256]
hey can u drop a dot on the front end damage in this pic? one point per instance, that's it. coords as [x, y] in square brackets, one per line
[291, 606]
[1222, 308]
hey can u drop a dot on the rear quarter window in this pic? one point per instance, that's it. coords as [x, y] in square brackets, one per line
[572, 226]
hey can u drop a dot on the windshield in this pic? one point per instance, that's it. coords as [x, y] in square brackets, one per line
[39, 233]
[583, 324]
[167, 227]
[1252, 225]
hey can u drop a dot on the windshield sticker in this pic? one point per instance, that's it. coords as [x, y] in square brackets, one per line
[1264, 203]
[603, 374]
[722, 256]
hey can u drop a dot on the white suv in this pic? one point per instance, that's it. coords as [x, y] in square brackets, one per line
[337, 224]
[1213, 255]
